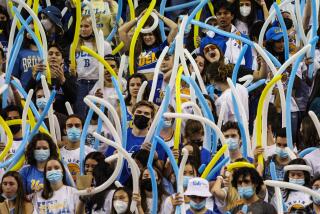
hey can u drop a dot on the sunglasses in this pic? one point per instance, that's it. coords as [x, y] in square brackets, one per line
[209, 48]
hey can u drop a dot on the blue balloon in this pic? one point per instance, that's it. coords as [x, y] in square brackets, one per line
[43, 115]
[255, 85]
[235, 104]
[99, 128]
[306, 151]
[32, 106]
[181, 6]
[202, 168]
[161, 24]
[196, 10]
[15, 51]
[115, 28]
[284, 30]
[217, 168]
[83, 140]
[273, 172]
[288, 101]
[165, 104]
[16, 156]
[245, 209]
[274, 60]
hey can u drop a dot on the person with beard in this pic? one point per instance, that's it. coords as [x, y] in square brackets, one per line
[87, 66]
[70, 153]
[27, 58]
[13, 112]
[61, 80]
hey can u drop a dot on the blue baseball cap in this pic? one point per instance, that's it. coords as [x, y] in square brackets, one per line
[217, 40]
[274, 33]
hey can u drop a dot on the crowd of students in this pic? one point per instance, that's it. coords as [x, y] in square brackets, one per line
[50, 176]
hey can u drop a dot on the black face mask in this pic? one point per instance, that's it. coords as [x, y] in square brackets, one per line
[146, 184]
[15, 129]
[95, 116]
[288, 23]
[87, 37]
[141, 121]
[3, 25]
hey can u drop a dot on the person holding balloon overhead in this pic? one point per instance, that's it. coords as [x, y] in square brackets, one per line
[151, 44]
[87, 67]
[39, 150]
[12, 192]
[248, 182]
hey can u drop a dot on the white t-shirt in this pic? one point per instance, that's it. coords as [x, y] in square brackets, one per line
[313, 160]
[88, 66]
[72, 159]
[90, 139]
[226, 96]
[63, 200]
[269, 151]
[109, 94]
[107, 204]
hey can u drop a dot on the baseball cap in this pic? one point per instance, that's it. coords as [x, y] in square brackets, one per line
[198, 187]
[274, 33]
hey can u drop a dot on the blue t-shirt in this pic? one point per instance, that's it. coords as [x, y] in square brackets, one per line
[22, 70]
[32, 179]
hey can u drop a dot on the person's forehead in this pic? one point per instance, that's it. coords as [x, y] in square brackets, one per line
[73, 120]
[231, 131]
[13, 113]
[316, 183]
[224, 10]
[111, 61]
[247, 177]
[54, 49]
[144, 109]
[281, 140]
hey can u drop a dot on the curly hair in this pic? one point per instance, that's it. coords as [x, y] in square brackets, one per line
[219, 72]
[256, 179]
[32, 146]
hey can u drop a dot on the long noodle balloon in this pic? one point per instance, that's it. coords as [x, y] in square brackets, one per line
[75, 42]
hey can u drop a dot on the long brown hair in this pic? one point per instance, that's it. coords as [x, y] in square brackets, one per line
[19, 207]
[47, 190]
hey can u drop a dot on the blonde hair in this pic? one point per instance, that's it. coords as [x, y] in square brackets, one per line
[81, 41]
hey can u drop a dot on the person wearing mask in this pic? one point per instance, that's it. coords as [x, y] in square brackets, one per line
[198, 192]
[146, 190]
[87, 66]
[248, 183]
[51, 20]
[133, 85]
[100, 202]
[41, 102]
[122, 199]
[315, 206]
[39, 150]
[174, 200]
[13, 112]
[12, 192]
[70, 153]
[56, 196]
[225, 16]
[61, 79]
[291, 198]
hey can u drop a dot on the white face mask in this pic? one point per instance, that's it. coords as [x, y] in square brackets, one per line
[47, 24]
[120, 206]
[245, 10]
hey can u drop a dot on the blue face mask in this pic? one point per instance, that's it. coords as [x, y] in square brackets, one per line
[232, 144]
[299, 181]
[74, 134]
[246, 192]
[54, 176]
[41, 102]
[282, 153]
[316, 200]
[41, 155]
[9, 198]
[186, 181]
[167, 123]
[198, 206]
